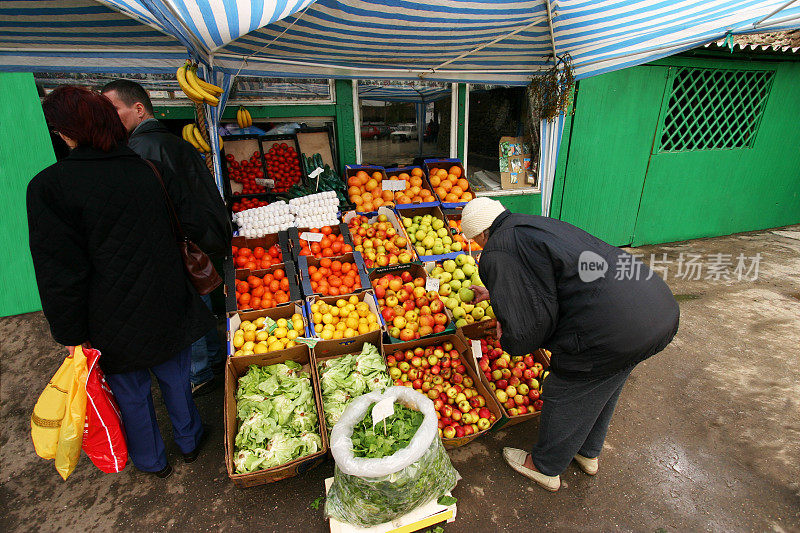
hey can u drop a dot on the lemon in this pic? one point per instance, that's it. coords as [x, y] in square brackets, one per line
[326, 335]
[296, 317]
[284, 341]
[314, 308]
[327, 318]
[317, 318]
[237, 353]
[276, 346]
[334, 311]
[248, 326]
[238, 340]
[259, 322]
[363, 320]
[298, 325]
[282, 322]
[261, 348]
[350, 332]
[353, 299]
[248, 346]
[338, 335]
[317, 327]
[292, 335]
[341, 326]
[247, 352]
[328, 327]
[363, 328]
[291, 344]
[280, 332]
[352, 323]
[262, 335]
[341, 302]
[372, 319]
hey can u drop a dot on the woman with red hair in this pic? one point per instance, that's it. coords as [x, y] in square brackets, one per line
[110, 274]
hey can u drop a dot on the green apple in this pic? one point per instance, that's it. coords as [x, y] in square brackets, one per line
[437, 271]
[451, 303]
[456, 247]
[477, 313]
[445, 277]
[458, 274]
[483, 304]
[447, 240]
[442, 232]
[445, 290]
[490, 312]
[428, 241]
[419, 235]
[468, 270]
[437, 224]
[470, 319]
[460, 323]
[455, 285]
[420, 250]
[460, 259]
[458, 312]
[449, 266]
[476, 280]
[467, 307]
[466, 294]
[438, 249]
[407, 222]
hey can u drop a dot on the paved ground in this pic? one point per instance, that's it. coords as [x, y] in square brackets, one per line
[706, 435]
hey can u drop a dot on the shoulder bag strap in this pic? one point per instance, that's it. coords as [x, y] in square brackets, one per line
[174, 221]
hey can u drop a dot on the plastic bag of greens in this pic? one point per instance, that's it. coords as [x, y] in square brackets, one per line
[367, 491]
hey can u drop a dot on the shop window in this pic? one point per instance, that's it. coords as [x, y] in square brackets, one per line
[714, 109]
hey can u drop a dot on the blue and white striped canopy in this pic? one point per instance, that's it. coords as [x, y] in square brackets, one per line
[500, 42]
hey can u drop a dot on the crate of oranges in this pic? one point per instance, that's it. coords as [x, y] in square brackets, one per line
[343, 317]
[271, 330]
[449, 182]
[260, 252]
[267, 288]
[364, 188]
[327, 276]
[417, 192]
[327, 241]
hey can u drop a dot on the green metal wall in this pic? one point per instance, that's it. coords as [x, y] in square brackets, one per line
[608, 184]
[25, 149]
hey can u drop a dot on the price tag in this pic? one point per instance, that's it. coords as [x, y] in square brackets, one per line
[477, 354]
[311, 237]
[382, 410]
[432, 284]
[316, 172]
[264, 182]
[269, 325]
[307, 341]
[393, 185]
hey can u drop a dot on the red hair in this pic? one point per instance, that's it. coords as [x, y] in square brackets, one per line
[87, 117]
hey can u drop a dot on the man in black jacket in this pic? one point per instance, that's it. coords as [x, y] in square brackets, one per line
[551, 287]
[151, 140]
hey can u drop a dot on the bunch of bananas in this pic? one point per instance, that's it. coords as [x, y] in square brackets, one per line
[191, 133]
[243, 118]
[196, 89]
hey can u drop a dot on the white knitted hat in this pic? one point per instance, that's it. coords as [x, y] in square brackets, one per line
[478, 215]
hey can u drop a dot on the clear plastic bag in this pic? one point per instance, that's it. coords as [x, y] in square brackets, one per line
[366, 491]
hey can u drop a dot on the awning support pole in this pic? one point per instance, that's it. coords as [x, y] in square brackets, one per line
[784, 6]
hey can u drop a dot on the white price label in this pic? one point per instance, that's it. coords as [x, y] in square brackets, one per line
[382, 410]
[316, 172]
[264, 182]
[393, 185]
[311, 237]
[476, 354]
[432, 284]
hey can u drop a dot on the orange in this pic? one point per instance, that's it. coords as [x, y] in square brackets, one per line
[458, 191]
[447, 185]
[464, 184]
[354, 181]
[416, 181]
[377, 202]
[371, 184]
[403, 176]
[441, 192]
[441, 172]
[386, 196]
[377, 176]
[414, 191]
[456, 171]
[452, 178]
[451, 198]
[416, 172]
[361, 175]
[466, 197]
[435, 181]
[353, 191]
[358, 200]
[367, 207]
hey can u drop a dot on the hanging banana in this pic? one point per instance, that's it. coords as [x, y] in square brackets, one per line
[248, 117]
[199, 137]
[182, 74]
[188, 136]
[191, 78]
[243, 118]
[210, 87]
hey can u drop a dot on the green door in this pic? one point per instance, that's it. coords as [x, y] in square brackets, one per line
[611, 135]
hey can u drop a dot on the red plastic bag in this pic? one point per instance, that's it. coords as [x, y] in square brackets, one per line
[103, 433]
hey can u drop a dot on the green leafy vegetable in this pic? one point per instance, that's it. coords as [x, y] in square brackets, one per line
[446, 500]
[277, 417]
[349, 376]
[388, 436]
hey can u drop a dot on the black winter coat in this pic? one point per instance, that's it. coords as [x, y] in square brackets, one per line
[593, 328]
[106, 260]
[153, 141]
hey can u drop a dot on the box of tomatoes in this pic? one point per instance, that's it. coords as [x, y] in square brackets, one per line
[333, 276]
[243, 166]
[266, 288]
[282, 161]
[327, 241]
[260, 252]
[449, 182]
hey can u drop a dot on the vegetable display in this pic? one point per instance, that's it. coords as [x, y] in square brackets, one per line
[372, 490]
[277, 416]
[349, 376]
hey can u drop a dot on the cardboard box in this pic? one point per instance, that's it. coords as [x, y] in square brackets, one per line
[353, 257]
[478, 331]
[518, 169]
[367, 296]
[352, 170]
[241, 147]
[436, 211]
[296, 245]
[234, 320]
[392, 173]
[289, 269]
[236, 367]
[317, 141]
[431, 165]
[465, 350]
[396, 224]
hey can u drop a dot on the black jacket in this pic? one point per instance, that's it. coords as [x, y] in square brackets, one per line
[106, 260]
[153, 141]
[593, 328]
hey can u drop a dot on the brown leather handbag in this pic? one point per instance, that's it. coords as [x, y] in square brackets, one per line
[198, 266]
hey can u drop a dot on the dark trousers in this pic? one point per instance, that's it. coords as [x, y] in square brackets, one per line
[132, 392]
[575, 418]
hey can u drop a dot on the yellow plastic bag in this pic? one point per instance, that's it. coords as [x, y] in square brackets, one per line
[58, 417]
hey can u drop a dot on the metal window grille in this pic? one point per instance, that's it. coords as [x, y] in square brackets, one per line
[714, 109]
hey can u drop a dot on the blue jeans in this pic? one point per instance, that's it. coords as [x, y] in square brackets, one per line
[206, 352]
[135, 400]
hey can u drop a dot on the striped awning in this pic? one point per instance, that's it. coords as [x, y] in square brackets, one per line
[495, 42]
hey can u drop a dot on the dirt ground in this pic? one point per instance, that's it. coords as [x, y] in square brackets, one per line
[706, 436]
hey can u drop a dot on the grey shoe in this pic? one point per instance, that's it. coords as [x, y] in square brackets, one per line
[516, 460]
[588, 465]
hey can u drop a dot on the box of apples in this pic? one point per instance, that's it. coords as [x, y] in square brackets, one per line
[515, 382]
[440, 368]
[410, 309]
[380, 238]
